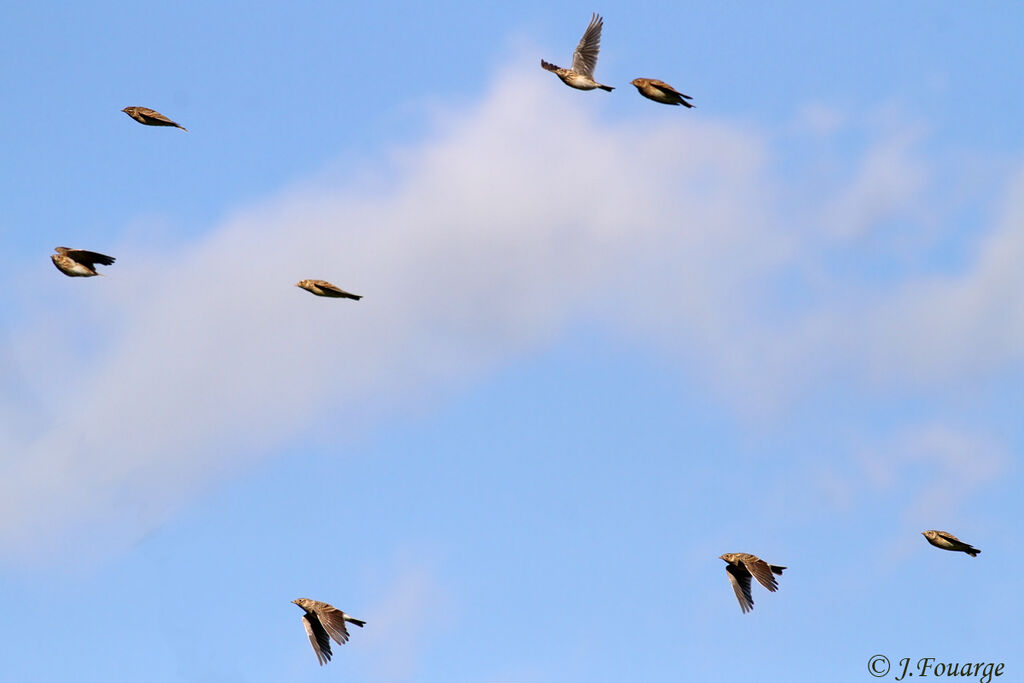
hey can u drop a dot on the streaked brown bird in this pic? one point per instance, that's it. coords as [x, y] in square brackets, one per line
[324, 288]
[584, 59]
[660, 91]
[78, 262]
[947, 541]
[741, 566]
[149, 117]
[323, 622]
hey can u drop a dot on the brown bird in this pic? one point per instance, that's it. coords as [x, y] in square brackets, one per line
[78, 262]
[584, 59]
[324, 288]
[660, 91]
[149, 117]
[323, 622]
[947, 541]
[741, 566]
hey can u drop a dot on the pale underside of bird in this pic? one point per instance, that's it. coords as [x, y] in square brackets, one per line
[660, 91]
[325, 288]
[79, 262]
[323, 622]
[741, 566]
[584, 59]
[149, 117]
[947, 541]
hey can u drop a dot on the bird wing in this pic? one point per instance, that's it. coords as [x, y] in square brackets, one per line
[153, 114]
[957, 543]
[584, 59]
[666, 88]
[157, 116]
[332, 290]
[89, 258]
[317, 638]
[739, 577]
[328, 287]
[333, 621]
[762, 571]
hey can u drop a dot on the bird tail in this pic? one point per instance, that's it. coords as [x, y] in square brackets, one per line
[687, 104]
[358, 622]
[973, 552]
[548, 66]
[607, 88]
[776, 569]
[182, 127]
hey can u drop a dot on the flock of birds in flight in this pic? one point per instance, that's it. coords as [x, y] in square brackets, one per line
[323, 621]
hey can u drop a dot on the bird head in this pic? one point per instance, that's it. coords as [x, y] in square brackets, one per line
[301, 602]
[638, 82]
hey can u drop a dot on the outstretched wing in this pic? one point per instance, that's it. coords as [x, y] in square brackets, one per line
[317, 638]
[333, 621]
[740, 580]
[584, 59]
[762, 571]
[89, 258]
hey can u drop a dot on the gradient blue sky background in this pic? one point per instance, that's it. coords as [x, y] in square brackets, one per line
[602, 342]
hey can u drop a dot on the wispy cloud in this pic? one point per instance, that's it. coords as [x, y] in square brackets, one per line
[523, 215]
[934, 468]
[414, 610]
[888, 184]
[967, 323]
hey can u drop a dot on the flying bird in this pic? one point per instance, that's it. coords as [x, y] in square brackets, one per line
[149, 117]
[741, 566]
[584, 59]
[324, 288]
[323, 622]
[660, 91]
[78, 262]
[947, 541]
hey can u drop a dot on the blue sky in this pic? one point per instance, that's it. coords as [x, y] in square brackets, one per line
[603, 341]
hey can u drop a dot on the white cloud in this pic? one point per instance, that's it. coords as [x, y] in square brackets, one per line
[947, 327]
[524, 215]
[888, 184]
[820, 119]
[933, 468]
[415, 609]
